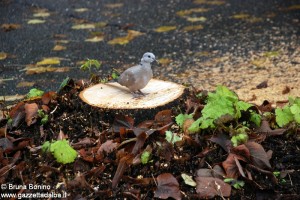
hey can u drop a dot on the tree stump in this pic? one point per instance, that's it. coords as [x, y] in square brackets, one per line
[111, 99]
[114, 96]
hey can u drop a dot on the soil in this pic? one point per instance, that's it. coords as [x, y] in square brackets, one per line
[105, 168]
[252, 47]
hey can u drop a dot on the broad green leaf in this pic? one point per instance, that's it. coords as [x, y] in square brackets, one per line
[35, 93]
[181, 118]
[63, 152]
[283, 116]
[255, 118]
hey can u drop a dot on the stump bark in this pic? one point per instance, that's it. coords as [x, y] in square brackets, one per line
[114, 96]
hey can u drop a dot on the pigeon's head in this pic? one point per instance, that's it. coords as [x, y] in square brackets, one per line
[148, 57]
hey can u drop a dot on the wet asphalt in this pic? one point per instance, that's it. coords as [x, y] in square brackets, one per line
[269, 25]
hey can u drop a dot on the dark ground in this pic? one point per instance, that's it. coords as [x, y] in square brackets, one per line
[233, 32]
[271, 25]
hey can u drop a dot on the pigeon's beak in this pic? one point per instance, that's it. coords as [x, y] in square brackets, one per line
[156, 61]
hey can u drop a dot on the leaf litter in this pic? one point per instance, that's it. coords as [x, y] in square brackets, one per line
[108, 156]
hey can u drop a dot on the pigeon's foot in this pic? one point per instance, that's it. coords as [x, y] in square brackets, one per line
[138, 94]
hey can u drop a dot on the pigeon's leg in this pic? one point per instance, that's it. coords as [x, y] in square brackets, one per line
[136, 95]
[140, 92]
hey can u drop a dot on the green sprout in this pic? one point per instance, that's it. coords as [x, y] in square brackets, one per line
[61, 150]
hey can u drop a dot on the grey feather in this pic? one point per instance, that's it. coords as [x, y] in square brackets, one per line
[137, 77]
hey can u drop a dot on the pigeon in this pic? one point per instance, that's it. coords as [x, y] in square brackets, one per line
[137, 77]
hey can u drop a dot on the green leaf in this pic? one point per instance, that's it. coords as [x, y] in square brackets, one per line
[255, 118]
[114, 75]
[35, 93]
[172, 137]
[89, 64]
[181, 118]
[145, 157]
[61, 150]
[283, 116]
[235, 183]
[64, 83]
[195, 127]
[46, 147]
[45, 119]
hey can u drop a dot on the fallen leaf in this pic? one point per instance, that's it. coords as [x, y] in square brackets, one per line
[164, 61]
[83, 26]
[10, 27]
[240, 16]
[188, 180]
[12, 97]
[196, 19]
[48, 97]
[41, 14]
[167, 186]
[165, 29]
[80, 10]
[108, 146]
[259, 62]
[258, 155]
[3, 55]
[36, 21]
[95, 39]
[113, 5]
[190, 11]
[192, 28]
[209, 2]
[49, 61]
[209, 187]
[31, 110]
[131, 34]
[263, 84]
[25, 84]
[39, 69]
[59, 48]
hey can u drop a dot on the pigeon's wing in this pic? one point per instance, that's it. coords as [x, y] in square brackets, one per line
[128, 77]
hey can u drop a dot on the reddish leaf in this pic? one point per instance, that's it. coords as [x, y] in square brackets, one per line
[222, 140]
[17, 114]
[108, 146]
[48, 97]
[146, 124]
[209, 187]
[122, 121]
[124, 163]
[167, 186]
[230, 167]
[139, 143]
[242, 152]
[265, 129]
[163, 117]
[31, 110]
[258, 154]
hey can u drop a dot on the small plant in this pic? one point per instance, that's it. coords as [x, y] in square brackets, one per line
[277, 174]
[145, 157]
[235, 183]
[172, 137]
[33, 93]
[61, 150]
[89, 64]
[288, 113]
[43, 116]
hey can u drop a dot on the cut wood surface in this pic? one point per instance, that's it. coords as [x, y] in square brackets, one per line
[115, 96]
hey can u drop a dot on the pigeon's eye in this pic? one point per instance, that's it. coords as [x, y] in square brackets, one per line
[149, 56]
